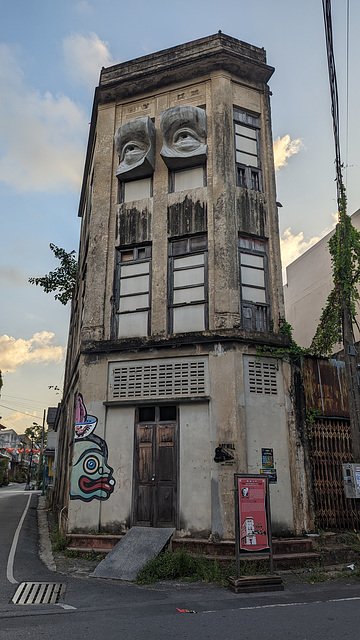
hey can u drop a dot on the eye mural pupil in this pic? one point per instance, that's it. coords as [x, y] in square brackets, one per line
[91, 465]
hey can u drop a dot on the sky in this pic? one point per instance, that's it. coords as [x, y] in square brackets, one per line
[51, 54]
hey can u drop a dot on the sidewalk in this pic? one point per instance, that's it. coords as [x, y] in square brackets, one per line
[77, 566]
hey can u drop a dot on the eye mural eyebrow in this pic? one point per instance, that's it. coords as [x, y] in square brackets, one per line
[86, 453]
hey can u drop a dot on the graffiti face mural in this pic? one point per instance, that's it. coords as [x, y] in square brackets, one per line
[92, 477]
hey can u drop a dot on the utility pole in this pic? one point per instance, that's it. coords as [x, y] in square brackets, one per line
[344, 246]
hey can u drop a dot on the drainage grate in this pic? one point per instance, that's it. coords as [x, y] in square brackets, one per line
[39, 593]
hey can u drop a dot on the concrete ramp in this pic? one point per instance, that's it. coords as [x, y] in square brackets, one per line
[138, 546]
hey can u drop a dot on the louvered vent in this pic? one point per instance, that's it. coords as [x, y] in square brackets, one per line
[262, 377]
[159, 379]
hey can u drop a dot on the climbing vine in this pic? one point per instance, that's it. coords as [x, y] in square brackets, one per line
[291, 351]
[344, 248]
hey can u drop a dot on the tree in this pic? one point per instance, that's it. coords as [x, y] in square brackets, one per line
[63, 278]
[35, 433]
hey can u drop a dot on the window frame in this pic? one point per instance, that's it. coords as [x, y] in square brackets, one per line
[120, 251]
[191, 250]
[248, 176]
[175, 171]
[265, 307]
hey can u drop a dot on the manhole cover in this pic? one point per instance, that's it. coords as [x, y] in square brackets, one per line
[39, 593]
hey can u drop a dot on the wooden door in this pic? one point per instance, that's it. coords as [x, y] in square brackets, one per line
[155, 475]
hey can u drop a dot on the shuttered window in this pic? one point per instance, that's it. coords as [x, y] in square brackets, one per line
[262, 377]
[188, 285]
[247, 150]
[133, 292]
[180, 378]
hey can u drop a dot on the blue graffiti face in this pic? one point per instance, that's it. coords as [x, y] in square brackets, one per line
[91, 476]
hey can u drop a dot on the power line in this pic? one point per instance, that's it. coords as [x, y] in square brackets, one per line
[17, 410]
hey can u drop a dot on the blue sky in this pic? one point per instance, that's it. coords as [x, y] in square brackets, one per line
[51, 54]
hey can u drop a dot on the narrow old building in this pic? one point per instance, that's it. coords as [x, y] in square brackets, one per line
[179, 284]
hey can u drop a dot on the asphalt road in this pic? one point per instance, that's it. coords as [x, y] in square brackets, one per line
[93, 609]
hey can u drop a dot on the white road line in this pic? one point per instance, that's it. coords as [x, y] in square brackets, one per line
[282, 604]
[10, 563]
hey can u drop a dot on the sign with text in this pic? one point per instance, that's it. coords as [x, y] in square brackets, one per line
[253, 521]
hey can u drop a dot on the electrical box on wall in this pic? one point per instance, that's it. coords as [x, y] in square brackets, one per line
[351, 473]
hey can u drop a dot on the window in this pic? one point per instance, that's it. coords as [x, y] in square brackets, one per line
[255, 308]
[133, 291]
[247, 150]
[187, 179]
[188, 285]
[135, 190]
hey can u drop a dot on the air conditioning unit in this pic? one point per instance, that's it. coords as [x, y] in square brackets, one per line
[351, 473]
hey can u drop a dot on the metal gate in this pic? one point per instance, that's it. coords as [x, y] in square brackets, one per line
[330, 443]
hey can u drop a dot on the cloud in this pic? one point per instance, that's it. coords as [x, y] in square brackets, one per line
[84, 57]
[292, 246]
[42, 136]
[84, 7]
[12, 277]
[16, 352]
[284, 148]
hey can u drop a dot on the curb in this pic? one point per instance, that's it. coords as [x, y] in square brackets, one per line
[45, 551]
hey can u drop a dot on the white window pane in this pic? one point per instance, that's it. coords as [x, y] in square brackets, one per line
[134, 269]
[182, 296]
[247, 159]
[253, 295]
[189, 276]
[244, 144]
[189, 318]
[132, 303]
[189, 261]
[252, 276]
[189, 179]
[137, 189]
[138, 284]
[253, 261]
[245, 131]
[133, 324]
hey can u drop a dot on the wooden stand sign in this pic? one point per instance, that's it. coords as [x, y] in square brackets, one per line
[253, 531]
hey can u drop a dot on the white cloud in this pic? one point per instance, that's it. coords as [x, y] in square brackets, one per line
[284, 148]
[42, 136]
[84, 7]
[16, 352]
[292, 246]
[11, 276]
[84, 57]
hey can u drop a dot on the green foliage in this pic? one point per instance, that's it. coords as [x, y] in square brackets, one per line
[344, 248]
[34, 433]
[182, 566]
[63, 278]
[291, 352]
[4, 472]
[58, 543]
[311, 416]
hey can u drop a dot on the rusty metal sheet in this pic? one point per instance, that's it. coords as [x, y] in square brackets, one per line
[325, 386]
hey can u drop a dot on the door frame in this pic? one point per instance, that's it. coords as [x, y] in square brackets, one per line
[155, 422]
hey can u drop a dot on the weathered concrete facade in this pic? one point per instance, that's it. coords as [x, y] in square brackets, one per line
[179, 283]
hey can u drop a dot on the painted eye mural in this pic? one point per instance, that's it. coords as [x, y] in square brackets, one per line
[91, 477]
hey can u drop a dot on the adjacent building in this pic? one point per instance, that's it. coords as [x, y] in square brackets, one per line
[309, 282]
[179, 285]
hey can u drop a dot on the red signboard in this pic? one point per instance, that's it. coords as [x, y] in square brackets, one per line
[253, 529]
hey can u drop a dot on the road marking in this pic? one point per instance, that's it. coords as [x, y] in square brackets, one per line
[284, 604]
[10, 563]
[68, 607]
